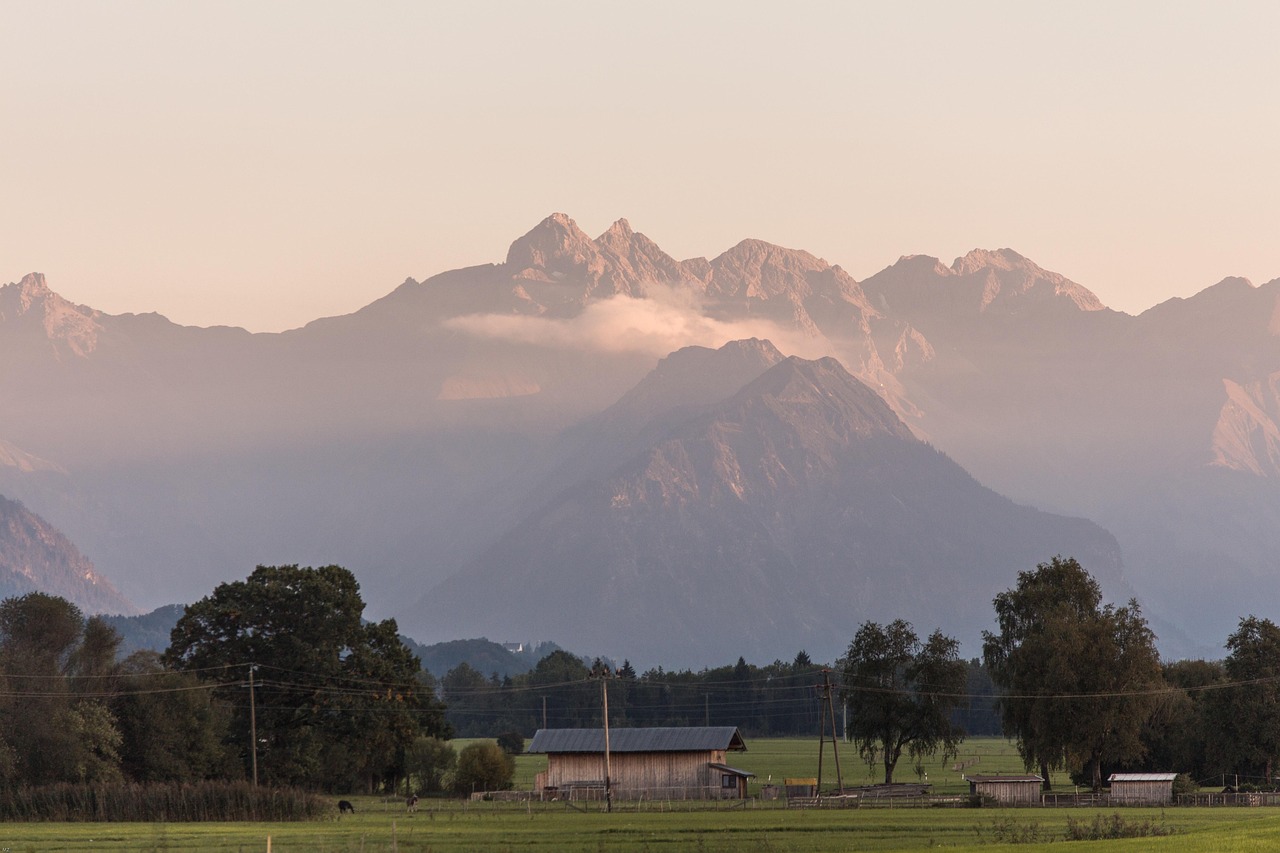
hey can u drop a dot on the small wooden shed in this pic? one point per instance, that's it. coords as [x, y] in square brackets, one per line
[658, 763]
[1012, 790]
[1141, 789]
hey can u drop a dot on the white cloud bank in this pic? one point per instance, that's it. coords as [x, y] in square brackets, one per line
[658, 325]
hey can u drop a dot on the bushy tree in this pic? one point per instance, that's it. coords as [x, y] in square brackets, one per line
[483, 766]
[901, 692]
[337, 700]
[429, 763]
[55, 718]
[1079, 679]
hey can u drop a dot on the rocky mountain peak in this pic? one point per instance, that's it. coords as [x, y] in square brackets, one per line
[30, 305]
[1000, 259]
[1009, 278]
[620, 230]
[555, 244]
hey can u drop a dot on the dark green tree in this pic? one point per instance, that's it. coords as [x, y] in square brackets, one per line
[59, 668]
[337, 700]
[1079, 680]
[1178, 734]
[1246, 737]
[900, 694]
[171, 727]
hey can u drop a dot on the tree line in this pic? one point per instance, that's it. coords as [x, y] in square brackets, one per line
[277, 679]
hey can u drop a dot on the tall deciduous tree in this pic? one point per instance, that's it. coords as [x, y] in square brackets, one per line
[1246, 735]
[900, 693]
[337, 701]
[1079, 679]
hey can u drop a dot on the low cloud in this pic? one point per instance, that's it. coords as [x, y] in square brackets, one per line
[658, 325]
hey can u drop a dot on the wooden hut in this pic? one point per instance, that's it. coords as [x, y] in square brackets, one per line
[658, 763]
[1141, 789]
[1013, 790]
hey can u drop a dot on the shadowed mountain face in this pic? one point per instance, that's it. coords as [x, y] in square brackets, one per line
[34, 557]
[782, 516]
[406, 439]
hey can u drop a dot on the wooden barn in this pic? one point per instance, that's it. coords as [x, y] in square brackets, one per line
[1141, 789]
[1012, 790]
[657, 763]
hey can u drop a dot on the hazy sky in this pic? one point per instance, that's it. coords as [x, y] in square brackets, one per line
[265, 163]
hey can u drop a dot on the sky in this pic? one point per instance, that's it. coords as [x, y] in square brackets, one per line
[264, 164]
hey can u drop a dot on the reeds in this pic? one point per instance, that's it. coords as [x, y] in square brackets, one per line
[161, 802]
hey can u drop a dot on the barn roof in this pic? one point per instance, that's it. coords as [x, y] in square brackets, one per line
[1023, 777]
[1142, 777]
[681, 739]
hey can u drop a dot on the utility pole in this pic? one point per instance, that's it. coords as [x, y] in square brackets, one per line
[253, 726]
[544, 712]
[601, 671]
[827, 708]
[706, 709]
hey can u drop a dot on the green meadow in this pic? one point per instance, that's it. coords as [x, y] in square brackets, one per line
[453, 826]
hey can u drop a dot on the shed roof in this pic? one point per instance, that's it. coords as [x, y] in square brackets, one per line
[1142, 777]
[725, 768]
[1024, 777]
[673, 739]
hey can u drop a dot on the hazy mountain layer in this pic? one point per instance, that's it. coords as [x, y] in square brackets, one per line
[405, 439]
[781, 517]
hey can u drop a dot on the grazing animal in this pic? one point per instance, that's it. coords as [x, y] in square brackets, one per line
[412, 803]
[345, 806]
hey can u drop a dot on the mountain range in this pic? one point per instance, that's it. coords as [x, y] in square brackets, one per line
[431, 438]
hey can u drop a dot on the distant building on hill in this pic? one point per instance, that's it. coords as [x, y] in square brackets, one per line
[658, 763]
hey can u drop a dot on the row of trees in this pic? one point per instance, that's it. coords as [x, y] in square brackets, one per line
[780, 698]
[1081, 688]
[278, 677]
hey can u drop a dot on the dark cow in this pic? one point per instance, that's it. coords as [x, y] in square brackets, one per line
[345, 806]
[412, 803]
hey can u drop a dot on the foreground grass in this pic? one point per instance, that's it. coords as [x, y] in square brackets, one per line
[453, 827]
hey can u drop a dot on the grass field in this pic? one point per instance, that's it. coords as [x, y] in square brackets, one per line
[452, 826]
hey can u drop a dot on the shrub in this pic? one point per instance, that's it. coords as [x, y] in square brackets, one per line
[1103, 828]
[429, 761]
[483, 767]
[1005, 830]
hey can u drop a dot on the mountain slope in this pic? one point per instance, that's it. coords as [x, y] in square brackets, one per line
[779, 518]
[34, 557]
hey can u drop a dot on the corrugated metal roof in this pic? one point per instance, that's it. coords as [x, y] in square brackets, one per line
[1028, 777]
[682, 739]
[1142, 777]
